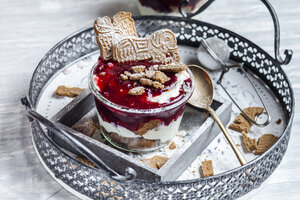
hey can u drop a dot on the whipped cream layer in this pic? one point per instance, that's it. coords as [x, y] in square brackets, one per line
[162, 132]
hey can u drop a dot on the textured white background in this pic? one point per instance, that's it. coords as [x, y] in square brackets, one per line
[28, 29]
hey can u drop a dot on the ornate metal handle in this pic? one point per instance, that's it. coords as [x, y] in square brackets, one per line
[288, 53]
[130, 173]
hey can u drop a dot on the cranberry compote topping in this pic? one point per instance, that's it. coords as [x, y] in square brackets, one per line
[113, 88]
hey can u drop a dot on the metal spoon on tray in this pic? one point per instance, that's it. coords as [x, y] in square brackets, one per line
[213, 53]
[203, 97]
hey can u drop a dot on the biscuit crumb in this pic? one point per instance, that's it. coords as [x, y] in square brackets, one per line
[249, 143]
[127, 73]
[157, 85]
[156, 161]
[264, 143]
[154, 68]
[146, 82]
[160, 77]
[172, 67]
[138, 76]
[278, 121]
[241, 124]
[87, 128]
[148, 126]
[207, 168]
[137, 91]
[149, 73]
[124, 77]
[172, 146]
[138, 69]
[68, 91]
[238, 145]
[102, 73]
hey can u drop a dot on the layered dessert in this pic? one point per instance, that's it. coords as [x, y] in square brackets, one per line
[139, 84]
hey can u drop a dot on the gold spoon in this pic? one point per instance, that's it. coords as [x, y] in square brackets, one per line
[203, 97]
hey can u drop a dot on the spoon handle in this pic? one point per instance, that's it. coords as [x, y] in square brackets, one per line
[237, 152]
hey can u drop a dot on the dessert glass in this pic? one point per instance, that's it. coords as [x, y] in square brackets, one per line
[117, 121]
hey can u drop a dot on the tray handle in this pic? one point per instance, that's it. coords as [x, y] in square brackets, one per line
[287, 52]
[130, 173]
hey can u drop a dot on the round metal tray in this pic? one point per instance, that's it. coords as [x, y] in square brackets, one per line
[96, 184]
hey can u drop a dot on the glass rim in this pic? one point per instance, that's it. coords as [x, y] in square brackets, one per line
[97, 94]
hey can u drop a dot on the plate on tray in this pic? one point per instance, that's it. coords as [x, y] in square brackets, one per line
[69, 62]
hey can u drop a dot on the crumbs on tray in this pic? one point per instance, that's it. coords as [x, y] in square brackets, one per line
[155, 162]
[264, 143]
[207, 168]
[172, 146]
[68, 91]
[241, 124]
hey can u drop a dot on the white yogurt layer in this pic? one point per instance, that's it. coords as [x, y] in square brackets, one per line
[162, 133]
[165, 96]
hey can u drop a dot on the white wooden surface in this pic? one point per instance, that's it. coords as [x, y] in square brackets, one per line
[28, 29]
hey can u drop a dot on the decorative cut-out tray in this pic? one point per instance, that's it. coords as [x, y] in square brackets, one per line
[231, 179]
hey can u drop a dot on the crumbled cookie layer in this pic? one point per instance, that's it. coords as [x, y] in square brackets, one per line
[148, 126]
[132, 143]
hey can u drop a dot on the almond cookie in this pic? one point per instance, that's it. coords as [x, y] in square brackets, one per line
[148, 126]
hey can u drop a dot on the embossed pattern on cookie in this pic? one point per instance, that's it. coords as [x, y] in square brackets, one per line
[108, 31]
[160, 47]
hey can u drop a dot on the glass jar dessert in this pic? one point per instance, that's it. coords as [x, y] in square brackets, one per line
[139, 84]
[138, 122]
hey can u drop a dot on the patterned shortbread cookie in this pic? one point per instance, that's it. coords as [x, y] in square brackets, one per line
[109, 31]
[155, 47]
